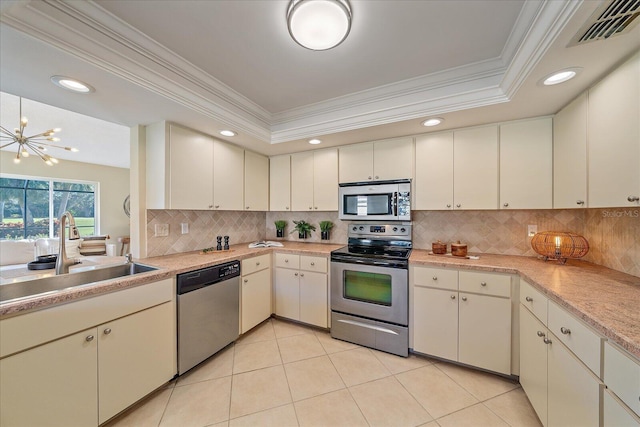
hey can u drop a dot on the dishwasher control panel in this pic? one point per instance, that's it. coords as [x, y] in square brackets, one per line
[229, 270]
[193, 280]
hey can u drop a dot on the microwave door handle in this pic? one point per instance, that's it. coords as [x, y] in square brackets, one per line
[395, 204]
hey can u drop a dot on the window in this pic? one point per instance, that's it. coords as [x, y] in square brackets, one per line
[30, 207]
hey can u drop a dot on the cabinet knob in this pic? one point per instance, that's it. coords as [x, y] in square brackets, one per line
[529, 299]
[579, 202]
[449, 205]
[546, 340]
[453, 297]
[210, 206]
[310, 207]
[246, 280]
[89, 338]
[541, 334]
[435, 277]
[483, 283]
[287, 208]
[257, 262]
[295, 274]
[464, 298]
[458, 205]
[565, 331]
[286, 260]
[217, 206]
[247, 207]
[506, 205]
[313, 263]
[368, 177]
[377, 177]
[315, 207]
[301, 274]
[633, 198]
[107, 331]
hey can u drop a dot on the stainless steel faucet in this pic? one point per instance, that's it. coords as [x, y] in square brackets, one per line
[63, 263]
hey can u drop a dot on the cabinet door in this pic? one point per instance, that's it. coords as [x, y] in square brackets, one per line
[256, 299]
[302, 181]
[393, 159]
[256, 182]
[526, 164]
[533, 362]
[325, 180]
[616, 414]
[614, 138]
[484, 333]
[288, 293]
[573, 391]
[190, 170]
[228, 177]
[280, 183]
[570, 155]
[435, 329]
[475, 168]
[55, 384]
[433, 186]
[313, 298]
[356, 163]
[136, 356]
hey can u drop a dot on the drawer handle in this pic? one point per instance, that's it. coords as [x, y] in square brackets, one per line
[435, 277]
[546, 341]
[529, 299]
[541, 334]
[464, 298]
[107, 331]
[565, 331]
[313, 263]
[89, 338]
[453, 297]
[483, 283]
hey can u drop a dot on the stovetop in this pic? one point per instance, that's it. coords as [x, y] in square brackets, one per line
[371, 242]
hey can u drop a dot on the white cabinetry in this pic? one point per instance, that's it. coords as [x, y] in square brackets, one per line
[622, 377]
[301, 288]
[463, 316]
[228, 176]
[526, 164]
[314, 180]
[256, 182]
[433, 186]
[614, 138]
[255, 298]
[280, 183]
[380, 160]
[82, 363]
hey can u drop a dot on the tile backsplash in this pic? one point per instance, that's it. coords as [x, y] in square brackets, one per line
[613, 234]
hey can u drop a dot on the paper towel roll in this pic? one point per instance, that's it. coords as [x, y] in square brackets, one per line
[111, 249]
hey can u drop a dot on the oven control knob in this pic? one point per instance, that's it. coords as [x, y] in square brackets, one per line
[403, 229]
[395, 228]
[355, 229]
[361, 228]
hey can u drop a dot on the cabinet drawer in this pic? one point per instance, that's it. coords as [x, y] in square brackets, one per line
[622, 376]
[288, 261]
[485, 283]
[251, 265]
[580, 339]
[435, 278]
[313, 263]
[534, 300]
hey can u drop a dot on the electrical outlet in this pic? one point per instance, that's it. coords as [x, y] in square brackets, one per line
[184, 228]
[532, 230]
[161, 230]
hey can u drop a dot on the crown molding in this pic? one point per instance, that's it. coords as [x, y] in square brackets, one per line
[90, 33]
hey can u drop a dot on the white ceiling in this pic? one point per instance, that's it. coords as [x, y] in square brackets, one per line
[221, 64]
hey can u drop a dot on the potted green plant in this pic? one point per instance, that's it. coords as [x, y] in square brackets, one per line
[325, 229]
[303, 228]
[280, 224]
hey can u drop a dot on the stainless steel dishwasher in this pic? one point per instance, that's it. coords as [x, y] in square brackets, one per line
[208, 312]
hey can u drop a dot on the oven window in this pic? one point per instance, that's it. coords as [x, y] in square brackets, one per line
[368, 287]
[370, 204]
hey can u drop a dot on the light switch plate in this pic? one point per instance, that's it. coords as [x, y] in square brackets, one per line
[161, 230]
[184, 228]
[532, 230]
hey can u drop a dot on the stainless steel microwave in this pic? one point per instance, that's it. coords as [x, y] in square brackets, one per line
[380, 200]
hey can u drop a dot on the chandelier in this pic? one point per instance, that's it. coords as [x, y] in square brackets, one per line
[37, 144]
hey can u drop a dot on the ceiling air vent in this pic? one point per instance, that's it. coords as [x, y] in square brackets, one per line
[613, 18]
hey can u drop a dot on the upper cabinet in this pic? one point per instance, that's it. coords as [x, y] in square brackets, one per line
[280, 183]
[314, 180]
[228, 177]
[570, 155]
[256, 182]
[433, 186]
[526, 164]
[613, 133]
[376, 161]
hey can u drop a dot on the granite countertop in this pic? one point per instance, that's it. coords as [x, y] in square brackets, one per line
[605, 299]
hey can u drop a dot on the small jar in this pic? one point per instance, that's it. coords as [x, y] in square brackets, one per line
[458, 249]
[439, 248]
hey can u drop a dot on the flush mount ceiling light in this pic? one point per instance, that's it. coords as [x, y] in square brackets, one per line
[227, 133]
[319, 24]
[36, 143]
[71, 84]
[560, 76]
[315, 141]
[434, 121]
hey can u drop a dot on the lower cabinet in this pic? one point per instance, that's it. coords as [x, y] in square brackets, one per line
[471, 327]
[255, 305]
[84, 378]
[622, 397]
[301, 288]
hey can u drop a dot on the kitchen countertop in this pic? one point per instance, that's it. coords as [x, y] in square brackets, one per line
[606, 299]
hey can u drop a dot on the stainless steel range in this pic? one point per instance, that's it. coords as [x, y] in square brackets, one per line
[370, 287]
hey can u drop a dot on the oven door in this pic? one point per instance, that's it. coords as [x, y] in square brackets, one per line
[379, 293]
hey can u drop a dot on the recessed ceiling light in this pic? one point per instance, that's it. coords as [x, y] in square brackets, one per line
[434, 121]
[72, 84]
[315, 141]
[227, 133]
[560, 76]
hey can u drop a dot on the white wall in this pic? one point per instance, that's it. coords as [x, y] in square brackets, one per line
[114, 186]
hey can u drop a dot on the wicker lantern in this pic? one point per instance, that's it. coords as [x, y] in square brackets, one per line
[559, 245]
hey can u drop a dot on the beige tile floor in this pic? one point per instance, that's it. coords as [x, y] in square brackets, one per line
[284, 374]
